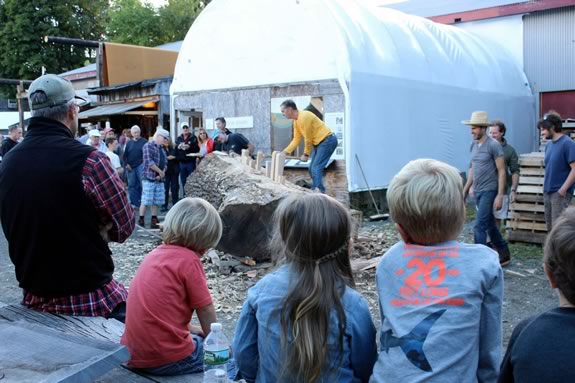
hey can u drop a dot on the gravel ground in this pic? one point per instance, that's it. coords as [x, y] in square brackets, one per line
[526, 289]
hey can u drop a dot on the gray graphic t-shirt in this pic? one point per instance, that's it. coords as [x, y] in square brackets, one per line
[484, 168]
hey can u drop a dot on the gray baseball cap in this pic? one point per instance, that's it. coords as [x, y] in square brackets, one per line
[57, 89]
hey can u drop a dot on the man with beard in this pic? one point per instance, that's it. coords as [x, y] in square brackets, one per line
[487, 175]
[559, 168]
[60, 203]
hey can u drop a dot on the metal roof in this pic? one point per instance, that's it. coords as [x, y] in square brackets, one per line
[429, 8]
[84, 69]
[108, 110]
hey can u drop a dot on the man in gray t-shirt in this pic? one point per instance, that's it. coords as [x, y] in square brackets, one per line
[487, 175]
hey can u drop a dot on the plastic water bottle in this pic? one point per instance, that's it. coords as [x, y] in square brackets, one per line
[216, 355]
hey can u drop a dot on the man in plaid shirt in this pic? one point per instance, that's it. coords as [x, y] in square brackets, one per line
[59, 217]
[155, 163]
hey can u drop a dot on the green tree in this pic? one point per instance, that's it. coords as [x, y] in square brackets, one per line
[177, 17]
[132, 22]
[24, 23]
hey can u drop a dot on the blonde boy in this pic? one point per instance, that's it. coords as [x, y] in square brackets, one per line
[440, 299]
[169, 286]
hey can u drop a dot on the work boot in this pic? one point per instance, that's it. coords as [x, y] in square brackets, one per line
[504, 256]
[155, 223]
[141, 222]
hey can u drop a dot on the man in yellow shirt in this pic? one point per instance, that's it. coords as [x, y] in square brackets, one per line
[316, 136]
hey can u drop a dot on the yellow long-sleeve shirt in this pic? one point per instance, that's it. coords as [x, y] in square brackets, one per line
[311, 128]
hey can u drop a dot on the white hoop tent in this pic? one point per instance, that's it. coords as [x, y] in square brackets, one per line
[407, 82]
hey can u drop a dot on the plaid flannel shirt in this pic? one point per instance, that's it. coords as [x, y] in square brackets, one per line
[107, 193]
[151, 157]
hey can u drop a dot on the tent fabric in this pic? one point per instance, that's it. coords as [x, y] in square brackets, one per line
[408, 82]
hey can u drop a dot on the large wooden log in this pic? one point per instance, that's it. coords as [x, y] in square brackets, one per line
[246, 200]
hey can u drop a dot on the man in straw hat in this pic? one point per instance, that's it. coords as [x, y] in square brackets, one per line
[59, 218]
[487, 175]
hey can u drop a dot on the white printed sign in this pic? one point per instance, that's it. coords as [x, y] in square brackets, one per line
[335, 121]
[239, 122]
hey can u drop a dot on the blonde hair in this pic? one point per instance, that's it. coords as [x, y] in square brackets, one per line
[312, 233]
[426, 199]
[193, 223]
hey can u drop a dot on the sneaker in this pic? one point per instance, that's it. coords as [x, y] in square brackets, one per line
[154, 224]
[141, 222]
[504, 257]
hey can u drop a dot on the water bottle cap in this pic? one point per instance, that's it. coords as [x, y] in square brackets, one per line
[216, 326]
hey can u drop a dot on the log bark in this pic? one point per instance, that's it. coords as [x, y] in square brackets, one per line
[246, 200]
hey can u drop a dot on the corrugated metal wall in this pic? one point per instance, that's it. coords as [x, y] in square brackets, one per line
[549, 55]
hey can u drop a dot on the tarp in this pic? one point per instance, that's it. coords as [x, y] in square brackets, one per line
[408, 82]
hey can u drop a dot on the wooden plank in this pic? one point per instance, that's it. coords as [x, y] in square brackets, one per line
[90, 327]
[523, 216]
[532, 172]
[514, 225]
[123, 375]
[34, 352]
[530, 189]
[530, 198]
[530, 180]
[531, 161]
[526, 236]
[527, 207]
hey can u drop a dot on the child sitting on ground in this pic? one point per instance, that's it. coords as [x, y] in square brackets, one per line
[304, 322]
[169, 286]
[440, 300]
[541, 348]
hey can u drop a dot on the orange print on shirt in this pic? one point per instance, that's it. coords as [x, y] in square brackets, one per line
[426, 272]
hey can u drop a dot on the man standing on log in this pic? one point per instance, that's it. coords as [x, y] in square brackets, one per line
[487, 175]
[59, 217]
[559, 178]
[316, 135]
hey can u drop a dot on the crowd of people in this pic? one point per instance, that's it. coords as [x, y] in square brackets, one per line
[440, 299]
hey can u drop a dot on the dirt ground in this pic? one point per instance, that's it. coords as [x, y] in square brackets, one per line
[526, 289]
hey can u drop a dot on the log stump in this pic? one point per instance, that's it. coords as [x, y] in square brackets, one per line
[246, 200]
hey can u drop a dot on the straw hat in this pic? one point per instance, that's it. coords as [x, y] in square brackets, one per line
[477, 119]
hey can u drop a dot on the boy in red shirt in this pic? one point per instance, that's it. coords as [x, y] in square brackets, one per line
[169, 286]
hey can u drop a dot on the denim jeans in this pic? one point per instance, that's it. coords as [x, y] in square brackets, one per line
[186, 168]
[320, 157]
[485, 221]
[135, 185]
[172, 184]
[192, 364]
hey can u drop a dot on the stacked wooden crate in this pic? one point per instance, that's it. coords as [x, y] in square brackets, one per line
[527, 214]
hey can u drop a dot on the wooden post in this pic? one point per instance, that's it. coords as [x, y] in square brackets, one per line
[20, 94]
[268, 169]
[279, 168]
[259, 160]
[273, 165]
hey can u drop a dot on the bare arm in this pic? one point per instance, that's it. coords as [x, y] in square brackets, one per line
[501, 169]
[469, 182]
[514, 183]
[569, 181]
[207, 316]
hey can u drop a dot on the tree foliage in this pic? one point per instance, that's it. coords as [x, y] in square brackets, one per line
[24, 23]
[133, 22]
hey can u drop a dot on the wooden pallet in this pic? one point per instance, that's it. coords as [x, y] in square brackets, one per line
[526, 219]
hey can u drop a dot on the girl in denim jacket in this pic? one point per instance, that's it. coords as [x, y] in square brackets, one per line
[305, 322]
